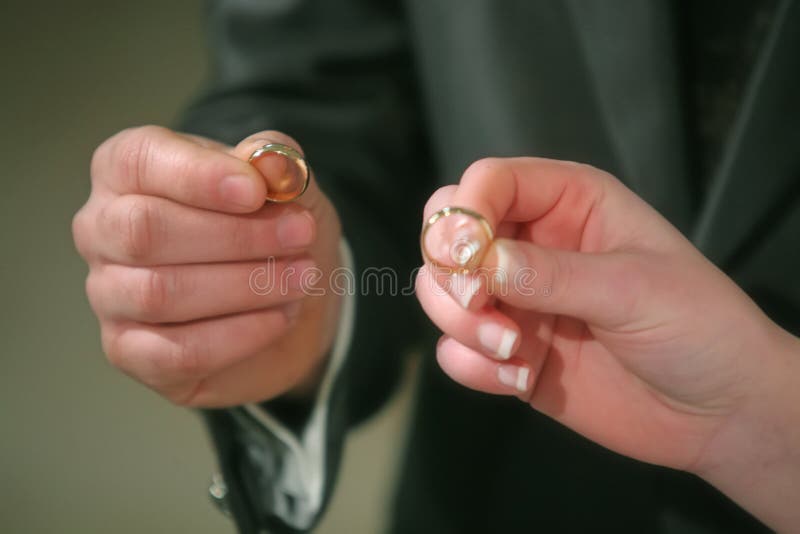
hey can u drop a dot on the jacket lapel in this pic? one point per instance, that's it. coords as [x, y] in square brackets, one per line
[759, 171]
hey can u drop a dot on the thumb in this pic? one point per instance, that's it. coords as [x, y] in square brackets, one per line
[603, 289]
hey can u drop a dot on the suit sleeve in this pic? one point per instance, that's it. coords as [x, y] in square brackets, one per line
[338, 77]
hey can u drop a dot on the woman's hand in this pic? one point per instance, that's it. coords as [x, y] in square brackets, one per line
[199, 287]
[593, 309]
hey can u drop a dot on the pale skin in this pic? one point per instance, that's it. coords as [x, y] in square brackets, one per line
[631, 337]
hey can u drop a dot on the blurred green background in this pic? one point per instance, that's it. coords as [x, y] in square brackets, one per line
[84, 449]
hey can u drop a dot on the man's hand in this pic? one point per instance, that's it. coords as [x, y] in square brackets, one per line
[200, 288]
[612, 323]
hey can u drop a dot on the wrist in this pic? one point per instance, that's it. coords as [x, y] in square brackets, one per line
[754, 456]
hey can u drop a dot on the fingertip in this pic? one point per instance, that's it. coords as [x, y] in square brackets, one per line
[487, 186]
[516, 378]
[501, 267]
[476, 371]
[498, 339]
[504, 256]
[296, 230]
[420, 279]
[443, 356]
[439, 199]
[468, 290]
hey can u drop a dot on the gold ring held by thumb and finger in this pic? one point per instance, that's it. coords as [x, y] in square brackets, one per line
[288, 181]
[455, 239]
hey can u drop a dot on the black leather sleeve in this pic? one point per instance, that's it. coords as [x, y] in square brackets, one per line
[337, 76]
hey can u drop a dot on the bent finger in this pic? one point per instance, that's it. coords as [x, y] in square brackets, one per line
[180, 293]
[485, 329]
[164, 355]
[475, 371]
[141, 230]
[156, 161]
[525, 189]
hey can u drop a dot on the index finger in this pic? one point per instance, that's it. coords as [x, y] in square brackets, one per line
[156, 161]
[525, 189]
[556, 196]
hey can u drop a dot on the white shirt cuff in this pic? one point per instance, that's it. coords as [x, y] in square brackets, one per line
[303, 473]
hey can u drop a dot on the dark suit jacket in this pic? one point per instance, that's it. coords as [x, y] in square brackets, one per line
[391, 100]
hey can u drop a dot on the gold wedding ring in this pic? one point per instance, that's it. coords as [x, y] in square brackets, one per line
[461, 252]
[295, 179]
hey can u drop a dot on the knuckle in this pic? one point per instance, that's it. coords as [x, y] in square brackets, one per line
[136, 235]
[560, 275]
[153, 295]
[112, 342]
[94, 290]
[186, 396]
[132, 155]
[243, 236]
[184, 360]
[133, 221]
[595, 179]
[80, 233]
[100, 159]
[169, 361]
[156, 365]
[629, 283]
[187, 359]
[482, 168]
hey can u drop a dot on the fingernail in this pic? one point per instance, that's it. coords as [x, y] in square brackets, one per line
[463, 288]
[514, 376]
[295, 230]
[497, 339]
[509, 260]
[239, 190]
